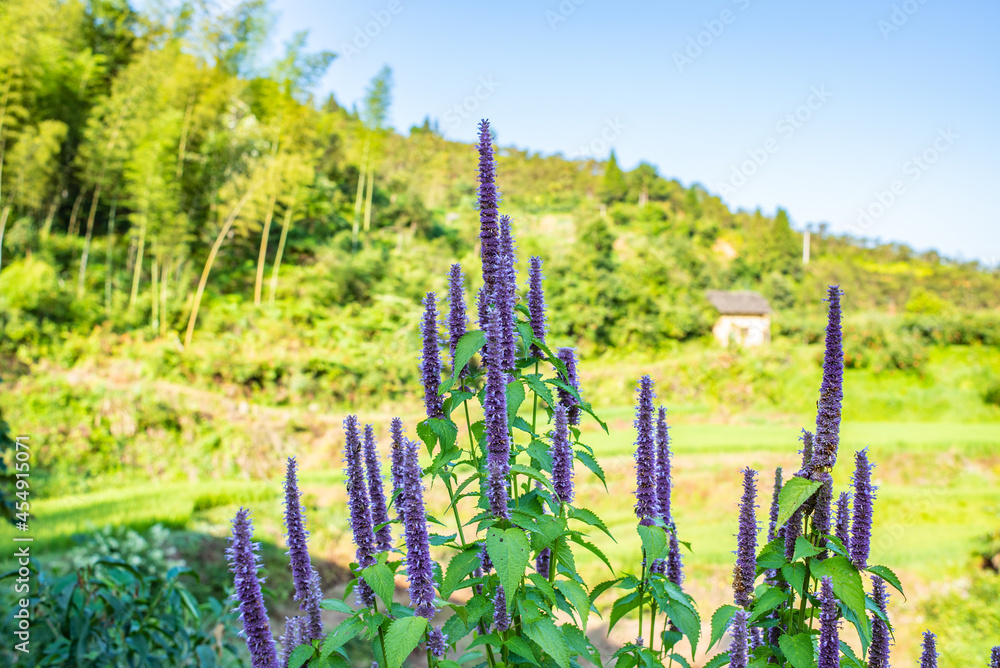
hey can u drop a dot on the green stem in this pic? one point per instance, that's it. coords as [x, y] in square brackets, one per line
[534, 405]
[642, 589]
[381, 633]
[652, 629]
[454, 509]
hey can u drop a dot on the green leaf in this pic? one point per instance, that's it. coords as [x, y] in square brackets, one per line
[718, 661]
[577, 595]
[347, 630]
[795, 575]
[539, 452]
[544, 633]
[402, 638]
[445, 430]
[534, 474]
[509, 551]
[798, 649]
[887, 575]
[654, 541]
[773, 555]
[588, 460]
[803, 549]
[687, 621]
[337, 605]
[521, 647]
[852, 659]
[846, 582]
[720, 622]
[536, 385]
[460, 566]
[603, 587]
[379, 578]
[455, 400]
[580, 644]
[622, 607]
[795, 492]
[542, 583]
[468, 345]
[593, 549]
[590, 518]
[771, 599]
[679, 659]
[515, 397]
[299, 656]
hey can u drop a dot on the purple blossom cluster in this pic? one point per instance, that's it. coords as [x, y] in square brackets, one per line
[646, 503]
[568, 357]
[430, 366]
[864, 495]
[842, 528]
[929, 654]
[536, 303]
[675, 565]
[360, 511]
[772, 525]
[878, 655]
[457, 320]
[419, 566]
[376, 493]
[562, 457]
[501, 618]
[995, 657]
[291, 639]
[489, 231]
[739, 651]
[745, 570]
[304, 576]
[829, 626]
[664, 480]
[497, 436]
[243, 563]
[831, 393]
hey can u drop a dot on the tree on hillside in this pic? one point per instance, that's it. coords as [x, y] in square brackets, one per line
[376, 111]
[613, 186]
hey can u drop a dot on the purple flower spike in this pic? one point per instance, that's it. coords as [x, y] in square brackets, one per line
[361, 516]
[831, 393]
[792, 531]
[430, 365]
[536, 303]
[398, 465]
[739, 651]
[243, 563]
[501, 620]
[291, 639]
[568, 358]
[744, 572]
[457, 320]
[419, 567]
[376, 494]
[489, 200]
[543, 561]
[772, 526]
[843, 524]
[484, 558]
[437, 642]
[829, 628]
[562, 457]
[878, 655]
[675, 566]
[929, 655]
[995, 657]
[664, 482]
[646, 505]
[864, 495]
[497, 436]
[823, 514]
[504, 294]
[304, 575]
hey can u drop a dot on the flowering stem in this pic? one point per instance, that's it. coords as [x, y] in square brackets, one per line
[534, 405]
[381, 633]
[642, 590]
[454, 509]
[652, 630]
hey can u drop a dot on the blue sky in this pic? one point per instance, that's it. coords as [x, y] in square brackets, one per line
[877, 117]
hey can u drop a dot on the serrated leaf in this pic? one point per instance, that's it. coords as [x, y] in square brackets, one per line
[347, 630]
[773, 555]
[544, 633]
[680, 659]
[522, 424]
[720, 622]
[654, 541]
[771, 599]
[336, 605]
[515, 397]
[455, 400]
[588, 460]
[534, 474]
[402, 638]
[622, 607]
[718, 661]
[795, 492]
[603, 587]
[539, 452]
[795, 575]
[593, 549]
[445, 430]
[521, 647]
[852, 659]
[890, 577]
[536, 385]
[687, 621]
[379, 578]
[846, 582]
[299, 656]
[543, 585]
[460, 566]
[509, 551]
[577, 595]
[580, 644]
[803, 549]
[798, 649]
[468, 346]
[589, 517]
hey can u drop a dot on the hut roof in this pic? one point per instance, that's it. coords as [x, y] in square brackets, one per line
[738, 302]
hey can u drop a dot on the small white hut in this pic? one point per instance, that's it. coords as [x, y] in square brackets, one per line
[744, 317]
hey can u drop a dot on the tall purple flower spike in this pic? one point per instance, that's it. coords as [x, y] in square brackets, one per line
[664, 481]
[829, 628]
[489, 230]
[675, 565]
[504, 295]
[568, 358]
[772, 525]
[792, 530]
[304, 576]
[501, 619]
[646, 504]
[864, 495]
[430, 364]
[543, 561]
[823, 513]
[376, 493]
[457, 320]
[562, 457]
[878, 654]
[843, 524]
[497, 436]
[995, 657]
[929, 655]
[831, 393]
[437, 642]
[398, 465]
[536, 303]
[291, 639]
[807, 453]
[739, 652]
[744, 572]
[361, 516]
[419, 567]
[243, 563]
